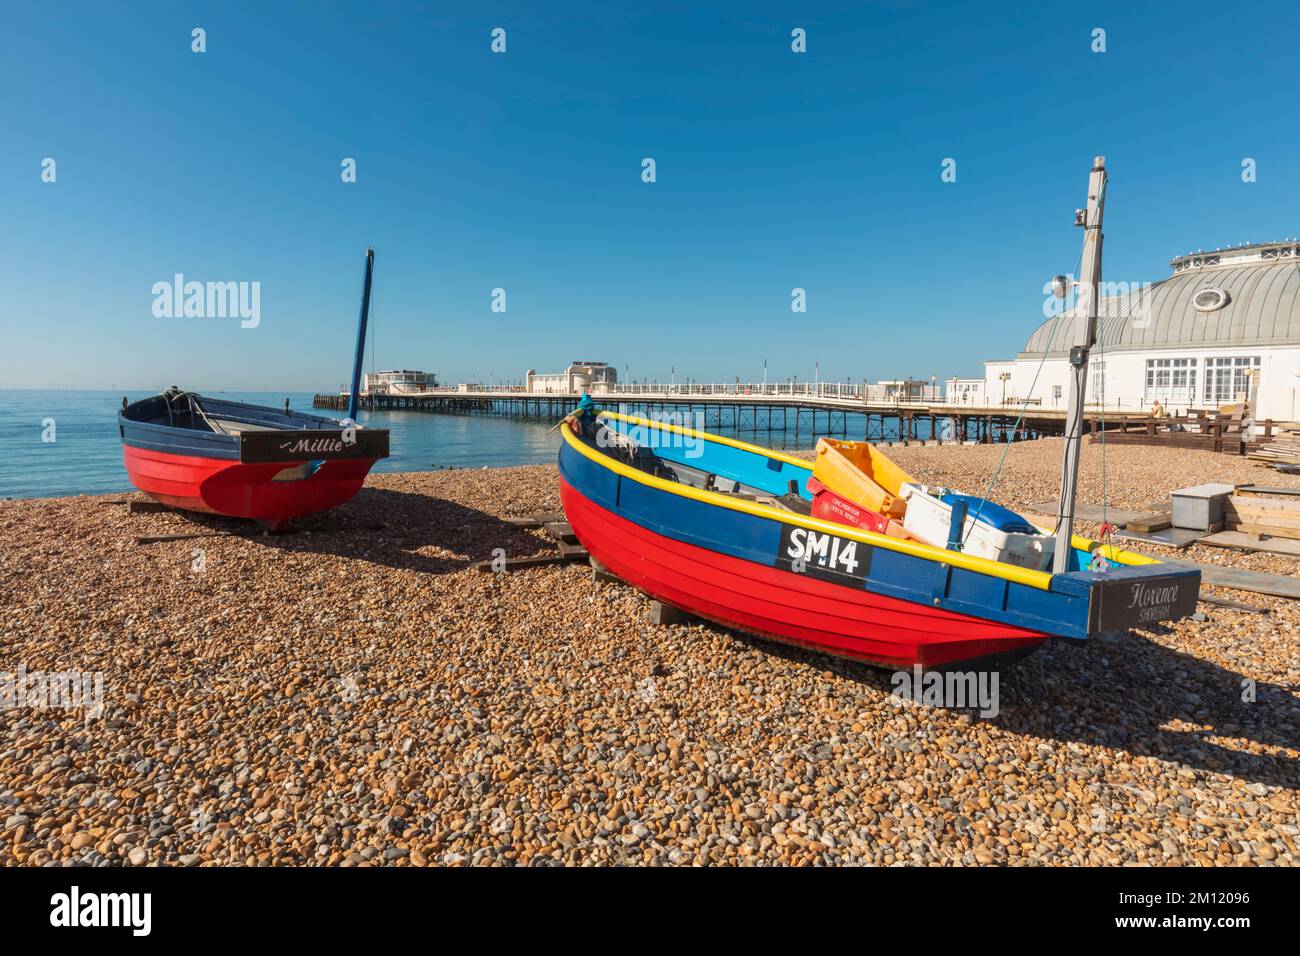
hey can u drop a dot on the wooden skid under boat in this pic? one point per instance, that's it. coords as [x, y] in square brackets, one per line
[721, 529]
[244, 461]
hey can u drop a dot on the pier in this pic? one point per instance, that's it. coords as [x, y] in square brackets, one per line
[868, 412]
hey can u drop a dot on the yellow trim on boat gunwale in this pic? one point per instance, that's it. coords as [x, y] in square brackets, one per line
[1086, 545]
[1034, 579]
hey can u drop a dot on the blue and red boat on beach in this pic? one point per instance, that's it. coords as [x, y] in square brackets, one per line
[210, 455]
[203, 454]
[723, 530]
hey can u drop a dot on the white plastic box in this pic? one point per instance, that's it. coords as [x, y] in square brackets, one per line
[929, 519]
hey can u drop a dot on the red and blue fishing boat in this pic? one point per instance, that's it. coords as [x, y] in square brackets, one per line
[726, 531]
[723, 530]
[205, 454]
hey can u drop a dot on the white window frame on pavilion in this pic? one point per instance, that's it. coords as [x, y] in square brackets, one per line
[1227, 376]
[1171, 381]
[1097, 379]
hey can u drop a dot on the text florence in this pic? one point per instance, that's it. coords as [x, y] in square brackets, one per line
[1153, 603]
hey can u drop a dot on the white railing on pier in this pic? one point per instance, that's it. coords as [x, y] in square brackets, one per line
[839, 392]
[834, 391]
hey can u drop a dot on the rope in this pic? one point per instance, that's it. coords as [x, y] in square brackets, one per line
[194, 407]
[1106, 532]
[197, 406]
[1106, 526]
[1101, 202]
[997, 472]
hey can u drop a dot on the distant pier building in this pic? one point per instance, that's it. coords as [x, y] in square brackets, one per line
[579, 377]
[399, 382]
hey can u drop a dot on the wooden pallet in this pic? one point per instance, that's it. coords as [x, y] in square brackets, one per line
[567, 545]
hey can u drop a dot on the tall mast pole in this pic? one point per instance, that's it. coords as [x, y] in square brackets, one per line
[355, 395]
[1089, 279]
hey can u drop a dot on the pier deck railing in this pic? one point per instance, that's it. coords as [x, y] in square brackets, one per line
[843, 395]
[832, 391]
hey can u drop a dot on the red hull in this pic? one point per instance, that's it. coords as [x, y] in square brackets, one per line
[778, 604]
[237, 490]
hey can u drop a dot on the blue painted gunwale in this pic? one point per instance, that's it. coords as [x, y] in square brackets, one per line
[199, 443]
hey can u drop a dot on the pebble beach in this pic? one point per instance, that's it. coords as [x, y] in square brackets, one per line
[358, 695]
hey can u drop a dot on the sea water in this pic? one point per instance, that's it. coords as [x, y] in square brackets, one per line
[55, 443]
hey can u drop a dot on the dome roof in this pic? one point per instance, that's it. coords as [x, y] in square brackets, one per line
[1246, 296]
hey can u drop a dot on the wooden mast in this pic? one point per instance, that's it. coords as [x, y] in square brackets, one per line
[1085, 336]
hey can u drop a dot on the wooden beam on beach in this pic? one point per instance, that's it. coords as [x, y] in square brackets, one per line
[501, 565]
[1241, 541]
[560, 531]
[1275, 585]
[601, 574]
[1233, 605]
[534, 521]
[1150, 523]
[160, 538]
[254, 532]
[1261, 490]
[661, 613]
[1116, 516]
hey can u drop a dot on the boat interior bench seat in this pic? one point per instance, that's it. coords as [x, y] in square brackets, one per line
[232, 427]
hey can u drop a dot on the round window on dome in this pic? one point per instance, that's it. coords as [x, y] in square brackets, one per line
[1209, 300]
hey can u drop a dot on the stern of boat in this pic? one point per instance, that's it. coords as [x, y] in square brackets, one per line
[1124, 597]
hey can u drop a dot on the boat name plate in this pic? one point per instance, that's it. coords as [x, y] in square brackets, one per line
[1126, 602]
[312, 444]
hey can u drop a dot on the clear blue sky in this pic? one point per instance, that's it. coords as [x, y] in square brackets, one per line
[523, 171]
